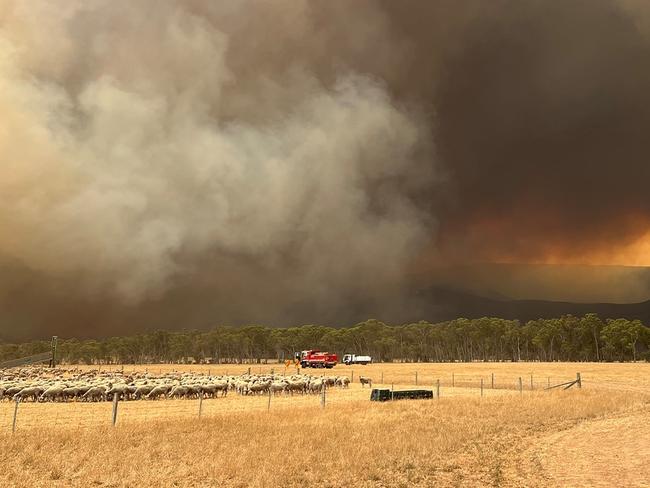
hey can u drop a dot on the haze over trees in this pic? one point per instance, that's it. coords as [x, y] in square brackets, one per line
[567, 338]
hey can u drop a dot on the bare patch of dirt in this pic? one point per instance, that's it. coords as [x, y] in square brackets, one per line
[603, 452]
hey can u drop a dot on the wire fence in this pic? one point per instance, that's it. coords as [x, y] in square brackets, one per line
[16, 416]
[71, 415]
[414, 377]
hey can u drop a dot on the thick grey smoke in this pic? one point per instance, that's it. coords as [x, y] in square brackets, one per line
[141, 140]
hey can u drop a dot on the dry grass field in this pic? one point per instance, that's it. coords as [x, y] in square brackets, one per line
[596, 436]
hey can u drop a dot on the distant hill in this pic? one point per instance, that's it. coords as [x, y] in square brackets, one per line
[31, 306]
[440, 304]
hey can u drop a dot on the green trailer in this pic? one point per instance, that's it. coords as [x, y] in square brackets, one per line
[384, 395]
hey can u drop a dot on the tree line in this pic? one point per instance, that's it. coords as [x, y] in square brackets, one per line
[568, 338]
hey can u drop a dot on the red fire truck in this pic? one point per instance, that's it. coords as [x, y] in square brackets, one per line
[313, 358]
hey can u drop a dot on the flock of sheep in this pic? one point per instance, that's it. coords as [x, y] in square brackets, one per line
[60, 385]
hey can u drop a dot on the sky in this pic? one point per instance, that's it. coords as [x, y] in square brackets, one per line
[176, 163]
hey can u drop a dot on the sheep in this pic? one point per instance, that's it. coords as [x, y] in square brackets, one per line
[365, 381]
[297, 386]
[72, 392]
[40, 384]
[260, 387]
[241, 387]
[194, 391]
[316, 386]
[32, 392]
[95, 393]
[52, 393]
[278, 387]
[142, 391]
[158, 391]
[82, 389]
[120, 390]
[178, 391]
[219, 386]
[11, 391]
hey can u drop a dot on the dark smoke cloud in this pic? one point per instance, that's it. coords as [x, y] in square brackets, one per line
[543, 118]
[182, 163]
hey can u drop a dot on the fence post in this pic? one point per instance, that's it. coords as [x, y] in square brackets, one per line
[392, 388]
[322, 396]
[579, 380]
[532, 385]
[268, 407]
[352, 378]
[548, 381]
[416, 378]
[382, 377]
[481, 386]
[13, 427]
[116, 398]
[200, 404]
[493, 381]
[521, 386]
[452, 379]
[438, 389]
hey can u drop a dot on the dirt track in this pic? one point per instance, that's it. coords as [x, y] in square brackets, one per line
[603, 452]
[612, 451]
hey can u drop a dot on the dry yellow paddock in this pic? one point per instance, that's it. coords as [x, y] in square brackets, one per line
[597, 436]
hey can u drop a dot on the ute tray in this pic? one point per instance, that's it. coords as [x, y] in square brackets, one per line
[384, 394]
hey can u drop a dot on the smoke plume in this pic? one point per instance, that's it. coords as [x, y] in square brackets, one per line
[148, 143]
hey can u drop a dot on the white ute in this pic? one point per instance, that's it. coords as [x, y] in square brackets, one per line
[354, 359]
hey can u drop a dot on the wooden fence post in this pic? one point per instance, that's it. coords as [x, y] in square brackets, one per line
[322, 397]
[532, 386]
[13, 427]
[548, 381]
[452, 380]
[579, 380]
[116, 399]
[352, 380]
[438, 389]
[416, 378]
[200, 404]
[268, 407]
[382, 377]
[493, 381]
[521, 386]
[481, 386]
[392, 388]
